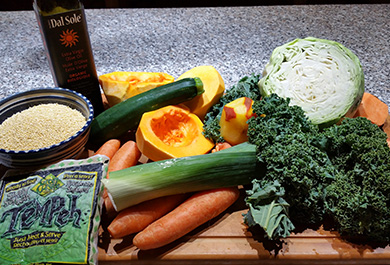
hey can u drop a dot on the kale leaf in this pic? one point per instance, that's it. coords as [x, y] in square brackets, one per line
[287, 147]
[359, 198]
[269, 209]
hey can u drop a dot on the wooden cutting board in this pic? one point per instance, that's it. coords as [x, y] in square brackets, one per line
[227, 240]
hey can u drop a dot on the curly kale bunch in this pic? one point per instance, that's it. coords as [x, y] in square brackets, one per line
[287, 147]
[359, 198]
[342, 171]
[246, 87]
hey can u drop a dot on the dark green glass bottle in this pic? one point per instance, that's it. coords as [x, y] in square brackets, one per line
[65, 36]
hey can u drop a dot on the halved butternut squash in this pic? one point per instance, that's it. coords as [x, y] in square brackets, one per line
[171, 132]
[119, 86]
[213, 85]
[373, 109]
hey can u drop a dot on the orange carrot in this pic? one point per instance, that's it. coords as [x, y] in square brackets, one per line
[221, 146]
[109, 148]
[193, 212]
[126, 156]
[110, 209]
[135, 218]
[373, 109]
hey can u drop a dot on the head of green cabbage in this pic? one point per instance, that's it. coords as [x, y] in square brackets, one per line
[321, 76]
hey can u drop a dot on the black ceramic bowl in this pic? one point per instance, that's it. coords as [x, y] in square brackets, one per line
[67, 149]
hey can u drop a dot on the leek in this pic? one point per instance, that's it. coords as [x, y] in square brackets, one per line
[230, 167]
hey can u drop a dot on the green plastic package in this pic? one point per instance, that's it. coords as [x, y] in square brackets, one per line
[52, 216]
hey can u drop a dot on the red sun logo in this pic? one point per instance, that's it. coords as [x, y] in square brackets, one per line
[69, 38]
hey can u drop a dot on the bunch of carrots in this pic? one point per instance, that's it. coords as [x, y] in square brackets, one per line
[161, 221]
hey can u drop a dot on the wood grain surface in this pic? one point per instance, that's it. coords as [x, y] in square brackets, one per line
[227, 239]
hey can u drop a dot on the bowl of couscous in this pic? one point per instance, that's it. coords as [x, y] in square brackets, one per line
[43, 126]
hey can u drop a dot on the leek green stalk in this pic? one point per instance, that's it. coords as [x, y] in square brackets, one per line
[230, 167]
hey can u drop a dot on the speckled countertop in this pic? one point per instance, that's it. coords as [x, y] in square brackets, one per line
[237, 41]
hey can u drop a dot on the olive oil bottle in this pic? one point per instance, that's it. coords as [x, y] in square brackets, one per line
[63, 27]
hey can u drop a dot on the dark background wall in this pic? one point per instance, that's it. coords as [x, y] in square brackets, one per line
[13, 5]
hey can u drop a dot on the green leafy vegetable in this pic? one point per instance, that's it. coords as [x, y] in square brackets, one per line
[321, 76]
[342, 171]
[268, 209]
[359, 198]
[287, 146]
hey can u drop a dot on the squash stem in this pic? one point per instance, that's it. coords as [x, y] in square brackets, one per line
[199, 85]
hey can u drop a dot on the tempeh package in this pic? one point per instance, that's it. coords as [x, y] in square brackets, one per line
[52, 216]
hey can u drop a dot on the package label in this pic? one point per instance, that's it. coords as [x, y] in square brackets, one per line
[52, 215]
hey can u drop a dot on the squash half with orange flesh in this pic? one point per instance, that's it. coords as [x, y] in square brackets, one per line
[119, 86]
[171, 132]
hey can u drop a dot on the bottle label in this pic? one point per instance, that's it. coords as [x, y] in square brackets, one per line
[69, 51]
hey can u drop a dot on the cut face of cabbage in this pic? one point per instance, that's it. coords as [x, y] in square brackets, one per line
[323, 77]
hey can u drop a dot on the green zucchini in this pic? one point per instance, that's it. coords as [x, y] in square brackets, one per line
[230, 167]
[124, 116]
